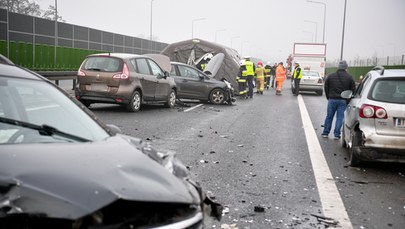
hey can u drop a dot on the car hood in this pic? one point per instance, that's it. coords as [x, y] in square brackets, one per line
[214, 64]
[162, 60]
[73, 180]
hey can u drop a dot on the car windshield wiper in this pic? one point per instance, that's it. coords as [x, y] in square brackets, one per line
[95, 69]
[45, 130]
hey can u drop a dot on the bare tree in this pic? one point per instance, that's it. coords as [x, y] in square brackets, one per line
[29, 7]
[50, 14]
[21, 6]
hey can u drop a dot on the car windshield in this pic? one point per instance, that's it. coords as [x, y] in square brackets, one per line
[310, 74]
[38, 110]
[103, 64]
[389, 90]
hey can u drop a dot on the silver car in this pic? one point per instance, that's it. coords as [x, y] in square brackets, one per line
[310, 81]
[374, 120]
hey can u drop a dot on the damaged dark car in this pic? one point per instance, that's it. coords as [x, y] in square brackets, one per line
[60, 167]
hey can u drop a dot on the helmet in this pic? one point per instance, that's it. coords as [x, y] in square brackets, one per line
[297, 63]
[247, 58]
[260, 63]
[268, 62]
[242, 62]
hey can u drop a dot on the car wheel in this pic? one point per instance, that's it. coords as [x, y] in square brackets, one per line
[134, 104]
[319, 93]
[171, 100]
[355, 150]
[86, 103]
[344, 144]
[217, 96]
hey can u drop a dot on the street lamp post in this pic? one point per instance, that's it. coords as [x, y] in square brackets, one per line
[56, 31]
[192, 25]
[220, 30]
[316, 28]
[232, 38]
[343, 32]
[324, 17]
[241, 47]
[312, 35]
[150, 38]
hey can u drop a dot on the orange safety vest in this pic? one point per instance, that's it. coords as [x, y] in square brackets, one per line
[280, 73]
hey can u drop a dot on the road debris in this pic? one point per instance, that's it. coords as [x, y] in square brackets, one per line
[259, 208]
[327, 220]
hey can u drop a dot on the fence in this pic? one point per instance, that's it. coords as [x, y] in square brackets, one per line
[44, 45]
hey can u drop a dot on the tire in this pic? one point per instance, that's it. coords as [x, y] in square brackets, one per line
[344, 144]
[134, 104]
[319, 93]
[217, 96]
[354, 161]
[85, 103]
[171, 100]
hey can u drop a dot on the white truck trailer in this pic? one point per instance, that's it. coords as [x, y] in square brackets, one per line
[310, 56]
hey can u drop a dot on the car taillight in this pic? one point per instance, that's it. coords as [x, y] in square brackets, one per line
[81, 73]
[124, 74]
[370, 111]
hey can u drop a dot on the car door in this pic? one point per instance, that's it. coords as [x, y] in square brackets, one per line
[191, 82]
[352, 109]
[162, 84]
[146, 78]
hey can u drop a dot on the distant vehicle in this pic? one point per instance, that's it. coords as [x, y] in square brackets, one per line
[310, 56]
[193, 84]
[310, 81]
[60, 167]
[374, 121]
[127, 79]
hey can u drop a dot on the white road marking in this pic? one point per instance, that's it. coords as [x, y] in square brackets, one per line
[331, 201]
[192, 108]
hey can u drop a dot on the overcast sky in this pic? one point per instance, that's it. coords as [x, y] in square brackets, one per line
[262, 28]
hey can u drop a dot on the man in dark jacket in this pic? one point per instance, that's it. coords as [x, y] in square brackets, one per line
[335, 84]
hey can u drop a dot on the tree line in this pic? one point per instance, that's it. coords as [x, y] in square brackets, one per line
[30, 7]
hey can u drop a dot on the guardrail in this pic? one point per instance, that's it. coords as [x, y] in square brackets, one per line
[60, 75]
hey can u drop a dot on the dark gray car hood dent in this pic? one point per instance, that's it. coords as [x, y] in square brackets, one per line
[73, 180]
[214, 64]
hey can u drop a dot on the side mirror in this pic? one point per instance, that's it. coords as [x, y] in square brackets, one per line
[346, 94]
[114, 129]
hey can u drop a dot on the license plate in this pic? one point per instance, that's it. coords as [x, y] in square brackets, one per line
[98, 87]
[400, 122]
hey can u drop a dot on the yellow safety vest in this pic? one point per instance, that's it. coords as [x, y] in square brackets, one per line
[295, 73]
[249, 68]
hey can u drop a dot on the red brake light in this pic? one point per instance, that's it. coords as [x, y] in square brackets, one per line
[124, 74]
[81, 73]
[370, 111]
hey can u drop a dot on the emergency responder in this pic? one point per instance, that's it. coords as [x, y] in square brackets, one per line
[280, 77]
[242, 79]
[267, 75]
[297, 78]
[259, 75]
[201, 65]
[273, 74]
[250, 73]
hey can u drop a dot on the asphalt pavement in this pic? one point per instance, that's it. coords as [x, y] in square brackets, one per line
[256, 158]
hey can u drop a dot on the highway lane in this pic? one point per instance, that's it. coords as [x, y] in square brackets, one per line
[255, 153]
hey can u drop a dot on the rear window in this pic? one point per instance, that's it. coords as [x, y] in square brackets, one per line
[103, 64]
[389, 90]
[310, 74]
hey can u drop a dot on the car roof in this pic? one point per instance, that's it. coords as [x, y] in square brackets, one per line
[15, 71]
[118, 55]
[391, 73]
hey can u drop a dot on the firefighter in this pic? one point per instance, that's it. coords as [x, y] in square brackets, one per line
[242, 79]
[280, 77]
[250, 73]
[297, 75]
[273, 74]
[259, 75]
[267, 75]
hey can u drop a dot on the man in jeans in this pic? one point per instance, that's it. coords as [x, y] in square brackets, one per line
[335, 84]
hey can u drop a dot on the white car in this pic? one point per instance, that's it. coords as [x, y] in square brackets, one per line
[310, 81]
[374, 120]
